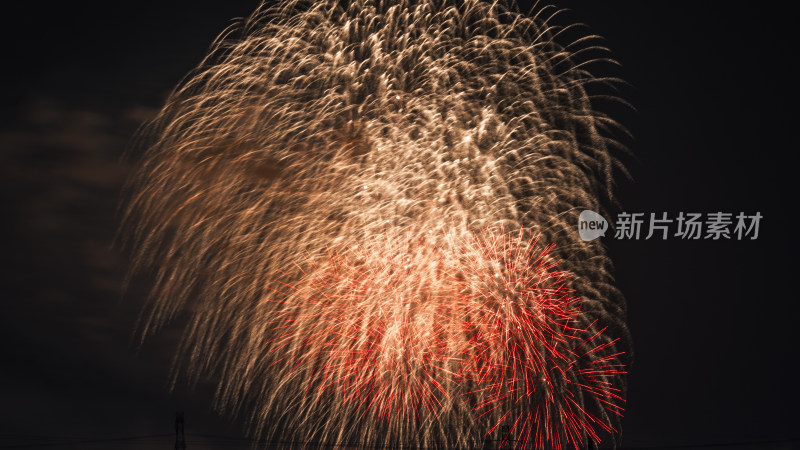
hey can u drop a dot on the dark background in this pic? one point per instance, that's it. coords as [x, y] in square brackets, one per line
[714, 129]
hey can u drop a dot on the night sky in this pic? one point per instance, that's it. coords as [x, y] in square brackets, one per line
[713, 130]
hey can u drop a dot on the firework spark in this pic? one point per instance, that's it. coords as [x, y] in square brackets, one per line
[355, 206]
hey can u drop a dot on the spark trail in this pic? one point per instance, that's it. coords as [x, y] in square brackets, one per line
[368, 213]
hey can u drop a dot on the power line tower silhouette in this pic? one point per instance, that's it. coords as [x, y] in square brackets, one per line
[180, 441]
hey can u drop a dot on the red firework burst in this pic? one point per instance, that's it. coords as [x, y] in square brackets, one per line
[407, 328]
[533, 359]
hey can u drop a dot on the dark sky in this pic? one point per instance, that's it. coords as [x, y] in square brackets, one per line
[714, 129]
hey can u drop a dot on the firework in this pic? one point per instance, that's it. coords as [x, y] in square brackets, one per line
[355, 205]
